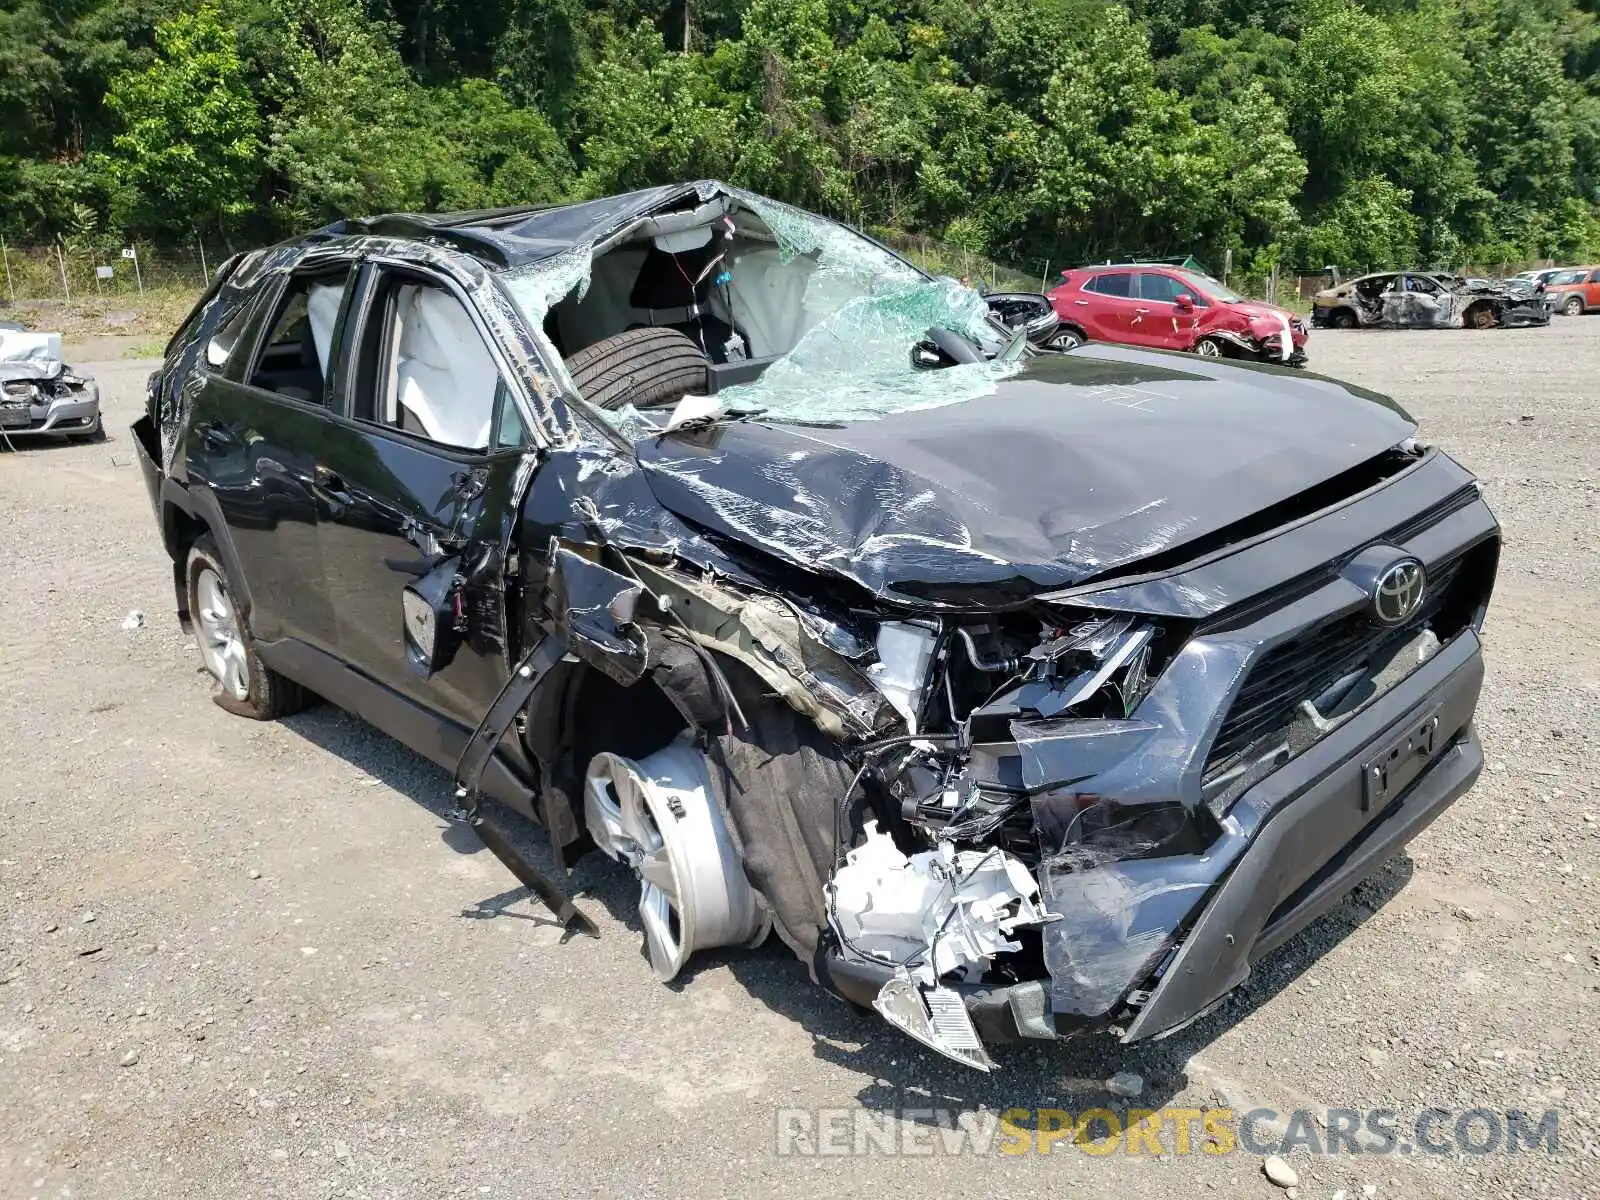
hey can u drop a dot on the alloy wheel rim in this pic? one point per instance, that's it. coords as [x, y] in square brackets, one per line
[626, 807]
[658, 816]
[221, 636]
[1209, 349]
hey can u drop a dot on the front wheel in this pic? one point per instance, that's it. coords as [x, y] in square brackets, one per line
[1342, 318]
[246, 686]
[1067, 339]
[1208, 348]
[1573, 307]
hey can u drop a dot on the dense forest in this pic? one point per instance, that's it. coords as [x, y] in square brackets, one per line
[1292, 132]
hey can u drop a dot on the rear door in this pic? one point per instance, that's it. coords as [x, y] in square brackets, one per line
[1591, 290]
[423, 470]
[1156, 319]
[254, 431]
[1108, 316]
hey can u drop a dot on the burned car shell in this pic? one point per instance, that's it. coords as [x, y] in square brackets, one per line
[1428, 300]
[1235, 606]
[39, 393]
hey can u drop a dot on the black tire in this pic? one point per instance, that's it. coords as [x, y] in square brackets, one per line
[1067, 339]
[780, 782]
[1342, 318]
[648, 368]
[269, 695]
[1573, 306]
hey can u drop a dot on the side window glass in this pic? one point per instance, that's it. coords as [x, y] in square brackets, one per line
[221, 346]
[1116, 283]
[1162, 288]
[1595, 278]
[296, 354]
[510, 434]
[435, 376]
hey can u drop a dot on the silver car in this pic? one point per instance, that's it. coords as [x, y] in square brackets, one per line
[39, 393]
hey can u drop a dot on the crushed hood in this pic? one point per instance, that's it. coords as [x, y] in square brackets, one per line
[1255, 309]
[1080, 465]
[26, 355]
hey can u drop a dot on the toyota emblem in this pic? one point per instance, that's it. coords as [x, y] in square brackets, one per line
[1397, 593]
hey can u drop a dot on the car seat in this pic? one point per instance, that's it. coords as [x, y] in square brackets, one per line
[676, 279]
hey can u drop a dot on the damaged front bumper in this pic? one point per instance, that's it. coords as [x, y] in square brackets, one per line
[64, 405]
[1292, 846]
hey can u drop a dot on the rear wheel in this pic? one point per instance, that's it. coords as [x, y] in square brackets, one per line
[648, 368]
[1573, 307]
[246, 686]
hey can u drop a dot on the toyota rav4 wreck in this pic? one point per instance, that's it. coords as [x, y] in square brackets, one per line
[1023, 694]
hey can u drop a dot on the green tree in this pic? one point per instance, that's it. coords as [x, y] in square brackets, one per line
[188, 150]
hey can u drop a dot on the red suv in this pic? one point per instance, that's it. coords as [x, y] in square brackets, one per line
[1175, 309]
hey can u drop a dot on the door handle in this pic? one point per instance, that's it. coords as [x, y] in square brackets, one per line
[219, 436]
[1081, 303]
[1142, 311]
[331, 485]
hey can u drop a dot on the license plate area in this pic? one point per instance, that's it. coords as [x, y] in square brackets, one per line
[14, 415]
[1386, 774]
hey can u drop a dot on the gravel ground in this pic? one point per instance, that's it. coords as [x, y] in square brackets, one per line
[255, 960]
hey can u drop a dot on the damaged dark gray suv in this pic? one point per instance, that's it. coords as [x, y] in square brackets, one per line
[1022, 694]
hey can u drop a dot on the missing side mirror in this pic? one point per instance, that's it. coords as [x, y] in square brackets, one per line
[432, 618]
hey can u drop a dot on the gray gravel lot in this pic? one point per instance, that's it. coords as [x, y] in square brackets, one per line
[254, 960]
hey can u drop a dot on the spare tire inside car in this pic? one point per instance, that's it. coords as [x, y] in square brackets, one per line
[648, 368]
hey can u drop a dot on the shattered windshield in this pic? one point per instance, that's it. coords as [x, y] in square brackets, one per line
[827, 317]
[1214, 288]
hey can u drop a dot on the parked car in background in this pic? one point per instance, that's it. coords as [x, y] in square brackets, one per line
[1030, 312]
[1575, 292]
[1175, 309]
[1540, 275]
[1428, 300]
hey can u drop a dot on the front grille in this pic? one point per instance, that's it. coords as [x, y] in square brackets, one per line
[1307, 665]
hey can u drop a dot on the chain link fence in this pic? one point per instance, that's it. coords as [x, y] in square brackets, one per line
[70, 272]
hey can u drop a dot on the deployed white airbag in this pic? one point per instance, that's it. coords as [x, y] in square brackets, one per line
[445, 376]
[27, 355]
[322, 310]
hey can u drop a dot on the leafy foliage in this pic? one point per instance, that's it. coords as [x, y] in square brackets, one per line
[1300, 132]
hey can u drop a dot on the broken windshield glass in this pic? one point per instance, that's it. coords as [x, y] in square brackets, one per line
[855, 364]
[832, 315]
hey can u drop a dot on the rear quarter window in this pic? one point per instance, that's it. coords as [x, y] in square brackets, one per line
[1112, 283]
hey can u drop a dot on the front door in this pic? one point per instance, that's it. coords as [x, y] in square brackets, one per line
[423, 470]
[1157, 319]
